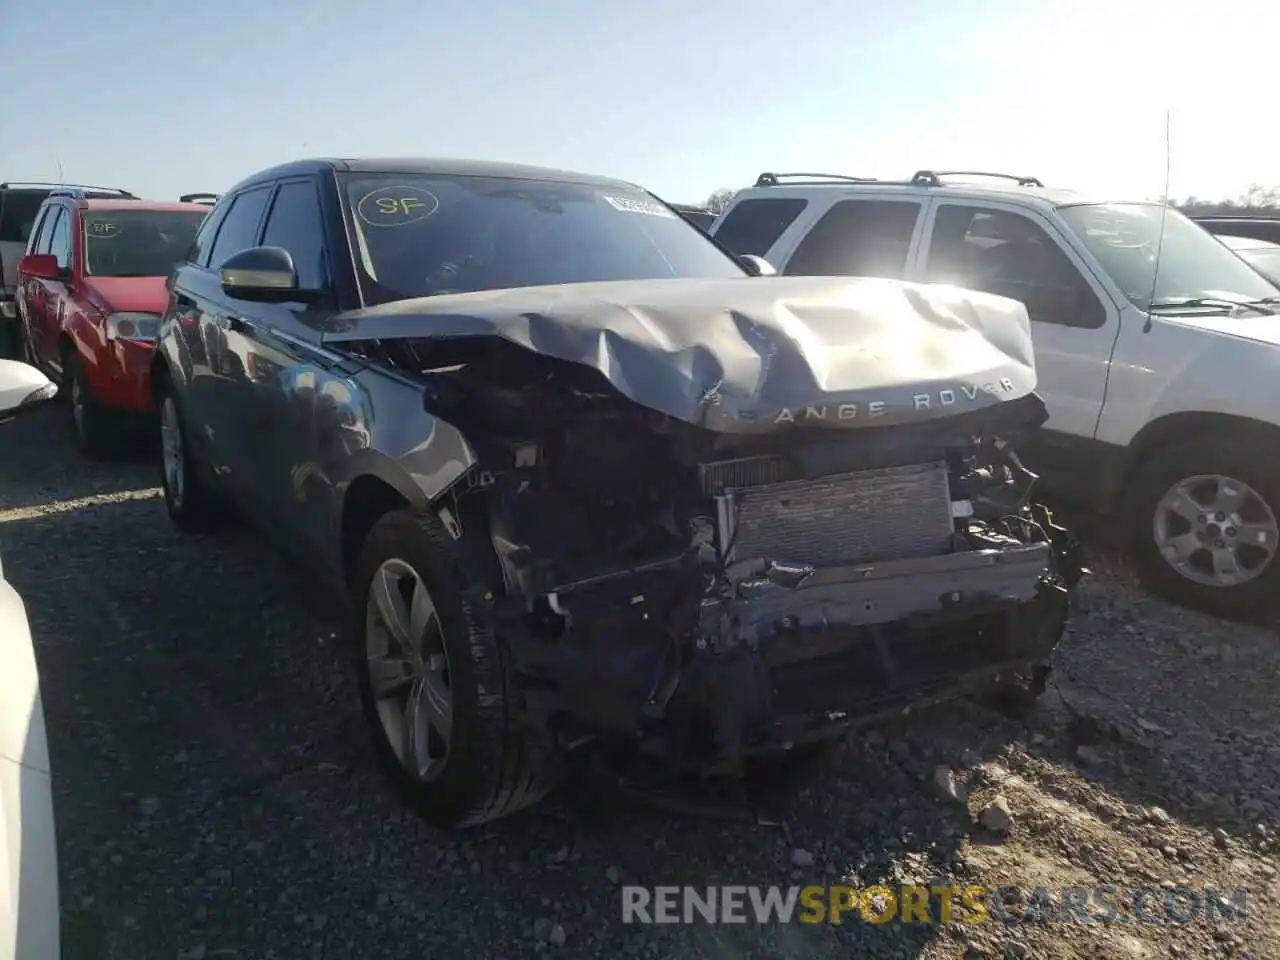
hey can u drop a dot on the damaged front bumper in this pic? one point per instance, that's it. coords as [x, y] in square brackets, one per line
[788, 655]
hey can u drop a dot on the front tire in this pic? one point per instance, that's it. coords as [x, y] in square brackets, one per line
[1202, 530]
[96, 431]
[434, 680]
[191, 502]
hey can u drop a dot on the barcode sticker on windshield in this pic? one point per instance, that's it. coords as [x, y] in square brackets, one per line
[628, 205]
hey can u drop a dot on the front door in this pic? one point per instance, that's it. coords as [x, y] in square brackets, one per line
[298, 392]
[220, 408]
[60, 243]
[1006, 250]
[44, 298]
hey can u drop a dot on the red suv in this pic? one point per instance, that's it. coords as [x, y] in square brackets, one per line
[90, 292]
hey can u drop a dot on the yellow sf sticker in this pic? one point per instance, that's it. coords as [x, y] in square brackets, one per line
[396, 206]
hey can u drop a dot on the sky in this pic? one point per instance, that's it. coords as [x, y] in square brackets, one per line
[163, 97]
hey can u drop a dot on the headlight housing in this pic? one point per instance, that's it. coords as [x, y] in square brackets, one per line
[134, 327]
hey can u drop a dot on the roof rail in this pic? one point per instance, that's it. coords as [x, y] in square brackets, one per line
[199, 197]
[774, 179]
[85, 193]
[933, 178]
[59, 189]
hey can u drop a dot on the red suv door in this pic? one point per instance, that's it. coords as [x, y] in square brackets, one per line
[47, 329]
[31, 293]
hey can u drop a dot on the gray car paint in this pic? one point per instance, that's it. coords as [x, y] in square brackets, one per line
[750, 355]
[288, 449]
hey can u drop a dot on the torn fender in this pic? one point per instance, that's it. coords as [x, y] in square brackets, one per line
[750, 355]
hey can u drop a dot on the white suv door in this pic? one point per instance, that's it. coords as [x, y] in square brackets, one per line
[1016, 252]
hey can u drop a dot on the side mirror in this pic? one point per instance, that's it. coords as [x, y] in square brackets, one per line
[757, 266]
[23, 388]
[265, 274]
[43, 266]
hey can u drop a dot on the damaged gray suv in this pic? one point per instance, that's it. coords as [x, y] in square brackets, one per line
[594, 487]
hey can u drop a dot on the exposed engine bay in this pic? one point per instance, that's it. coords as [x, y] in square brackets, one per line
[706, 597]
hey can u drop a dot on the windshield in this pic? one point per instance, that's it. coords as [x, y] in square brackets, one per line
[137, 243]
[1266, 260]
[1124, 237]
[419, 235]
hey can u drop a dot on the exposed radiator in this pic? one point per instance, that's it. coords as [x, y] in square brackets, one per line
[893, 513]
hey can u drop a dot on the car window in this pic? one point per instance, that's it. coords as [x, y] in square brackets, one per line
[41, 230]
[1266, 260]
[239, 229]
[136, 243]
[417, 235]
[60, 239]
[294, 224]
[754, 226]
[1154, 254]
[46, 230]
[202, 245]
[1008, 254]
[858, 238]
[18, 210]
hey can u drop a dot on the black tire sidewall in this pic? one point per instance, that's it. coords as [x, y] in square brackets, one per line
[475, 763]
[177, 510]
[201, 509]
[98, 437]
[1241, 460]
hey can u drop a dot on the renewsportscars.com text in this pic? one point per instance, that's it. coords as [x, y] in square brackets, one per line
[932, 904]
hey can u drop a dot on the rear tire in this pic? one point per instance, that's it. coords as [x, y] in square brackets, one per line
[477, 764]
[95, 427]
[1149, 513]
[192, 503]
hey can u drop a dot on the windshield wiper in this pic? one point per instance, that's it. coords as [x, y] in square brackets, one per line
[1213, 302]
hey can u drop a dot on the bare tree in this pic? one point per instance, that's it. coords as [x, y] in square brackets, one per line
[719, 200]
[1257, 200]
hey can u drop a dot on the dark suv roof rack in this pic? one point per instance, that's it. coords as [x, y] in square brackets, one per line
[774, 179]
[69, 189]
[933, 178]
[199, 197]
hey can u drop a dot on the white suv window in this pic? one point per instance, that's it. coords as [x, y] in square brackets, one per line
[754, 226]
[1006, 253]
[858, 238]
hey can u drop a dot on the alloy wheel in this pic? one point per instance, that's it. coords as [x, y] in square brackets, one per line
[408, 670]
[1215, 530]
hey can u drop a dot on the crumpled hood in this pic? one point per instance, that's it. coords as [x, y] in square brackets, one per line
[754, 354]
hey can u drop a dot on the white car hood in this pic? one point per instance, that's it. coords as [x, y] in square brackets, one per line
[29, 902]
[22, 734]
[1246, 326]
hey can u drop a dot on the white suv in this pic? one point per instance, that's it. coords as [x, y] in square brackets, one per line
[1162, 382]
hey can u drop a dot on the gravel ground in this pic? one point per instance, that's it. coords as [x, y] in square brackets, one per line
[215, 796]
